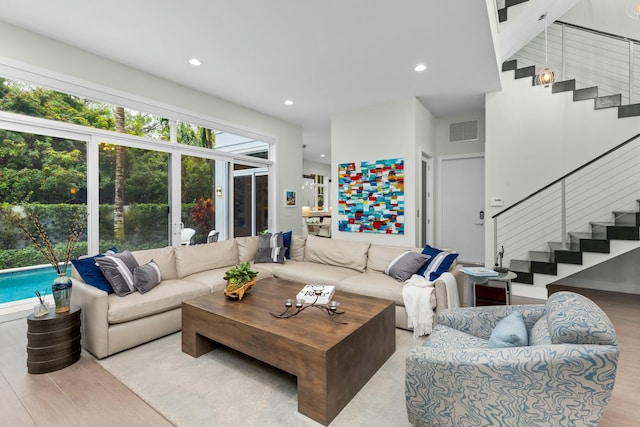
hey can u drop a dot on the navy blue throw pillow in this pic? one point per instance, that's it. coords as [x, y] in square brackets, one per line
[90, 271]
[286, 239]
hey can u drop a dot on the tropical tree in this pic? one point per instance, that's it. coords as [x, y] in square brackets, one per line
[118, 201]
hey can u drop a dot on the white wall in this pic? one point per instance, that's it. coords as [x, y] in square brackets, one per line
[534, 137]
[609, 16]
[24, 49]
[446, 148]
[381, 132]
[316, 168]
[453, 149]
[426, 125]
[619, 274]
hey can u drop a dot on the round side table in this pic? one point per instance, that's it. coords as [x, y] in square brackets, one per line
[53, 341]
[490, 295]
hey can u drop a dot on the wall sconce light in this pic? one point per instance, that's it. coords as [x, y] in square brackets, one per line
[219, 191]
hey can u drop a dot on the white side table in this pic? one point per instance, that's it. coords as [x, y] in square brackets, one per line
[474, 279]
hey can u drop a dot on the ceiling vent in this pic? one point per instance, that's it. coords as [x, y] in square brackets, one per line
[463, 131]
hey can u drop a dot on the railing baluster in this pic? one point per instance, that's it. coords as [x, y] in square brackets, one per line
[495, 239]
[563, 212]
[562, 44]
[630, 72]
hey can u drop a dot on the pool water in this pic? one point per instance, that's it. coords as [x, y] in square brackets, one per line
[18, 285]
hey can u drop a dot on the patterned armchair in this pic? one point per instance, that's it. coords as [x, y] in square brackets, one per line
[564, 377]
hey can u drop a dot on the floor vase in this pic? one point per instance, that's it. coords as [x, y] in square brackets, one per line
[61, 290]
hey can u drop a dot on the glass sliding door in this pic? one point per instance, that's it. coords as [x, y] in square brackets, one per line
[198, 197]
[134, 195]
[251, 200]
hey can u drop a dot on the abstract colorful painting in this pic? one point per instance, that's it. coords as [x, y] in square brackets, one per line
[371, 197]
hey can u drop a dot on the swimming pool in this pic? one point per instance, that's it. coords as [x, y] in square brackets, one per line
[22, 284]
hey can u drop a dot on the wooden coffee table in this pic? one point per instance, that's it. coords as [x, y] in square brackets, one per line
[332, 361]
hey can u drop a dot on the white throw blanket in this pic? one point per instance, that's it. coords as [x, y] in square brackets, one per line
[416, 294]
[450, 284]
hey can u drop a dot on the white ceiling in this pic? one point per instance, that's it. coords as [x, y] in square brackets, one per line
[327, 56]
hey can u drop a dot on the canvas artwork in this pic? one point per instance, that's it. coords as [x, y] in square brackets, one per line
[371, 197]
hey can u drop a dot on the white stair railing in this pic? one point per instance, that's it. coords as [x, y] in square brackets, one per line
[591, 57]
[590, 193]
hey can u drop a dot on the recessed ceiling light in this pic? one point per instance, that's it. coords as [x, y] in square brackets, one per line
[420, 67]
[322, 155]
[195, 62]
[288, 102]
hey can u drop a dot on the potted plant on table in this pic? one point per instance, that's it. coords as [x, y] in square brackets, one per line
[239, 280]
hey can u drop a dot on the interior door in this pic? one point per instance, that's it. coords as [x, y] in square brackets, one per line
[425, 193]
[462, 196]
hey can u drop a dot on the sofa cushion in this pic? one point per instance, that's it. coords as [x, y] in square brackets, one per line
[509, 332]
[305, 272]
[265, 270]
[146, 277]
[88, 270]
[539, 334]
[339, 253]
[406, 265]
[575, 319]
[379, 256]
[270, 248]
[165, 258]
[377, 285]
[448, 338]
[438, 265]
[214, 279]
[247, 247]
[197, 258]
[118, 269]
[296, 250]
[168, 295]
[286, 240]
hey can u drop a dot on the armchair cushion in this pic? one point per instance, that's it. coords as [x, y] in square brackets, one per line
[539, 334]
[575, 319]
[449, 338]
[509, 332]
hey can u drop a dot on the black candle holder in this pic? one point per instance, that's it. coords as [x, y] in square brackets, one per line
[331, 308]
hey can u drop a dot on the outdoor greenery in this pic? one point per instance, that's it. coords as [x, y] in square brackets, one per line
[47, 175]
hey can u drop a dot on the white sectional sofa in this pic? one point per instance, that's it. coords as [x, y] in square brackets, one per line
[111, 324]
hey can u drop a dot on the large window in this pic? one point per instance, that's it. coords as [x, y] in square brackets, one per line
[141, 177]
[134, 197]
[44, 176]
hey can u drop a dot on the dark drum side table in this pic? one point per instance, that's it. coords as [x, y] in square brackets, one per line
[53, 341]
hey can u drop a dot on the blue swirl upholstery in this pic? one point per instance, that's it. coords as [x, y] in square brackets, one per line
[556, 382]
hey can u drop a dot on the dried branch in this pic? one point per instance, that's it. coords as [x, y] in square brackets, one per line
[43, 244]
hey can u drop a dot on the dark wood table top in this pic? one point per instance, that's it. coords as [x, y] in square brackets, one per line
[312, 327]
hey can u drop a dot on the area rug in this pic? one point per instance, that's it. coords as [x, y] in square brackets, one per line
[226, 388]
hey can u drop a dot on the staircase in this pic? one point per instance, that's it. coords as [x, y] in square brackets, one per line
[582, 250]
[504, 5]
[578, 245]
[582, 94]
